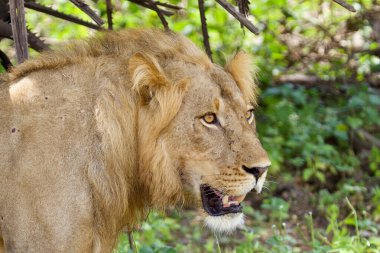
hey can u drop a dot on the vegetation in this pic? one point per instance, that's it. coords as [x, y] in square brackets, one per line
[319, 119]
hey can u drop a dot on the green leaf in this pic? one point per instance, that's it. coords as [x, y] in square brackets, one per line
[354, 122]
[307, 174]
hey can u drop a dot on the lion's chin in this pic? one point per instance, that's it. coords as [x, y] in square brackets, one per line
[224, 224]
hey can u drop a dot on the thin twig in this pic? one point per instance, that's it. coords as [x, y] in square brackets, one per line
[130, 240]
[159, 13]
[54, 13]
[243, 20]
[20, 36]
[5, 62]
[86, 9]
[243, 6]
[206, 41]
[345, 5]
[170, 6]
[147, 5]
[36, 43]
[109, 14]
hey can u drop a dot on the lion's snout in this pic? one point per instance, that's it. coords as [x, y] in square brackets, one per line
[257, 172]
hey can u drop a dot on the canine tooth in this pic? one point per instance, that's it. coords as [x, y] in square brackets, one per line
[225, 201]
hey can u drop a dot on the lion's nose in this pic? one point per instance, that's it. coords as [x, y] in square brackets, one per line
[256, 171]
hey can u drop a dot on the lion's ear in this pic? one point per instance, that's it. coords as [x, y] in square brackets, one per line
[242, 69]
[146, 75]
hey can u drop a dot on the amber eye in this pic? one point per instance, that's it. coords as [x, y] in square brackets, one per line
[249, 116]
[210, 118]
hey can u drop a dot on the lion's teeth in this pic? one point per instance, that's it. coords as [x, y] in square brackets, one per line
[232, 200]
[225, 201]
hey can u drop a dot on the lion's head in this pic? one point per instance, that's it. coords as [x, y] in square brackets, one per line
[198, 141]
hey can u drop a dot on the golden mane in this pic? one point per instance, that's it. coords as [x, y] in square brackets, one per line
[122, 44]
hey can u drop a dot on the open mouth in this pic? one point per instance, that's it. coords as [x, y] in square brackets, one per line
[216, 203]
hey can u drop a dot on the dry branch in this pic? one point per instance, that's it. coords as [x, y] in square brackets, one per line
[54, 13]
[239, 13]
[33, 40]
[5, 30]
[243, 6]
[206, 41]
[147, 5]
[159, 13]
[86, 9]
[36, 43]
[298, 78]
[5, 62]
[345, 5]
[242, 19]
[109, 14]
[170, 6]
[130, 241]
[20, 36]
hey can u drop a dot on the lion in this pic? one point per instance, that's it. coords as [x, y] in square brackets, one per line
[97, 134]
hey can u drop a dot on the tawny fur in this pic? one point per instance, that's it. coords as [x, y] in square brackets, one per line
[95, 135]
[242, 69]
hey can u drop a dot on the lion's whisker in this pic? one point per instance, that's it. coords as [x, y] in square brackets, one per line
[270, 181]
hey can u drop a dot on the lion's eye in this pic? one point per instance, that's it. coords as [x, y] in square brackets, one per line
[209, 118]
[249, 115]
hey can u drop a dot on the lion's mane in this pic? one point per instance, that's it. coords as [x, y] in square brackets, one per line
[128, 169]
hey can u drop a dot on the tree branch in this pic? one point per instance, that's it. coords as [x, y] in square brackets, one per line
[206, 42]
[109, 14]
[19, 33]
[243, 6]
[242, 19]
[5, 30]
[86, 9]
[34, 41]
[5, 62]
[147, 5]
[54, 13]
[159, 13]
[345, 5]
[170, 6]
[130, 241]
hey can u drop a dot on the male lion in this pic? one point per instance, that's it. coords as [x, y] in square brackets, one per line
[95, 135]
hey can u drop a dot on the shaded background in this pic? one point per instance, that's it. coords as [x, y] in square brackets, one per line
[318, 66]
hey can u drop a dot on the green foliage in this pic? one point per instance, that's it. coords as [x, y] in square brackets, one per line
[374, 160]
[277, 208]
[311, 134]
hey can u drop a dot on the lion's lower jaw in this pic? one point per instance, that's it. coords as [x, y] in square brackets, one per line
[224, 224]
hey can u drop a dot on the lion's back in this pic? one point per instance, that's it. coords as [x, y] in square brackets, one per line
[47, 121]
[48, 137]
[5, 111]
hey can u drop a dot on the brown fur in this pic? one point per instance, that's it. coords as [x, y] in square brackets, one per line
[95, 135]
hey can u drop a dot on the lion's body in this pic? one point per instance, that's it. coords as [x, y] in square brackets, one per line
[77, 143]
[52, 154]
